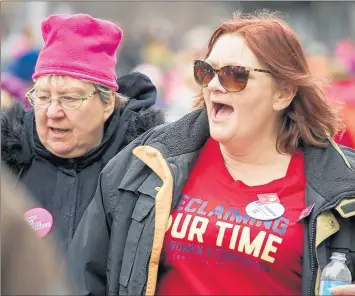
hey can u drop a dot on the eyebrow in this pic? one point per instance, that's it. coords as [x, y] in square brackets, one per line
[78, 91]
[39, 89]
[227, 63]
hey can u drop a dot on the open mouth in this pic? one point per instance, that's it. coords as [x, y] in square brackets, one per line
[221, 111]
[59, 131]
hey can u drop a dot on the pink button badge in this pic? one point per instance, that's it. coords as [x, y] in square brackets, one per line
[40, 220]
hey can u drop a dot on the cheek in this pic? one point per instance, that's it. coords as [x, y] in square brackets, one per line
[41, 121]
[87, 120]
[245, 104]
[252, 111]
[257, 100]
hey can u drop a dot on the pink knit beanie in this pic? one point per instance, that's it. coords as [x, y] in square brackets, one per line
[79, 46]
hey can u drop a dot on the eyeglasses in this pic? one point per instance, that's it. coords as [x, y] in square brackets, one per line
[232, 78]
[70, 102]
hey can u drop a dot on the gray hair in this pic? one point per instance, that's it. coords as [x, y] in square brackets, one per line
[106, 92]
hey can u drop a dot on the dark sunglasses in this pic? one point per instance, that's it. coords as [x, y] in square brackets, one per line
[232, 78]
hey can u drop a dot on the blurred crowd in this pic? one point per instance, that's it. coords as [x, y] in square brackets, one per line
[154, 54]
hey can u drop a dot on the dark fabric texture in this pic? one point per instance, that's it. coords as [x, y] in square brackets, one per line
[323, 178]
[348, 208]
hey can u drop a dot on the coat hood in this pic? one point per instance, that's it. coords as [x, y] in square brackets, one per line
[20, 142]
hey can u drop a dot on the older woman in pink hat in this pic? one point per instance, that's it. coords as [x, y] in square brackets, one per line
[82, 116]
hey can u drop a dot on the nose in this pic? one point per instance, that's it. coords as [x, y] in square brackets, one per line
[215, 85]
[54, 110]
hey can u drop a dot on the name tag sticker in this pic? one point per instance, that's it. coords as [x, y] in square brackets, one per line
[265, 212]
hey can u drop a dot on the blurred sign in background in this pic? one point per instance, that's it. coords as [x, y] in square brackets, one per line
[162, 38]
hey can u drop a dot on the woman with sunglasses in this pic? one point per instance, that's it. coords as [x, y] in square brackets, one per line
[248, 194]
[78, 121]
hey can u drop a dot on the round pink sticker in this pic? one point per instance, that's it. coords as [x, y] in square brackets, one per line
[40, 220]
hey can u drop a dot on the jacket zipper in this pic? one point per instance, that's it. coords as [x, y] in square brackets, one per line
[146, 273]
[338, 200]
[312, 255]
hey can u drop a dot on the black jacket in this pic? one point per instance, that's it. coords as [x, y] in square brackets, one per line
[65, 187]
[117, 247]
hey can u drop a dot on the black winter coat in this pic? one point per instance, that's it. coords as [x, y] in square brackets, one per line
[65, 187]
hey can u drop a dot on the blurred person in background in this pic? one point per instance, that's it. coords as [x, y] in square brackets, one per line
[345, 54]
[180, 88]
[342, 94]
[338, 71]
[248, 194]
[17, 80]
[29, 266]
[78, 122]
[23, 44]
[341, 89]
[14, 45]
[156, 75]
[179, 84]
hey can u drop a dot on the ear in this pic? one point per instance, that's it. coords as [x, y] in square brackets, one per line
[283, 97]
[110, 107]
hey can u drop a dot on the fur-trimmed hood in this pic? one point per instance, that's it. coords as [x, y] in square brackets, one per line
[20, 143]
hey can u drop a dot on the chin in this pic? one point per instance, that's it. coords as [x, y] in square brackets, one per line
[220, 134]
[61, 150]
[221, 131]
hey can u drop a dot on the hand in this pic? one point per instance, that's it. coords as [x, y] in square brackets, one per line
[348, 290]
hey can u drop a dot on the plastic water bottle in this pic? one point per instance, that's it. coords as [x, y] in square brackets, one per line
[336, 273]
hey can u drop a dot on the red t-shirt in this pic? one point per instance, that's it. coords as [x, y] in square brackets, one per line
[213, 247]
[345, 140]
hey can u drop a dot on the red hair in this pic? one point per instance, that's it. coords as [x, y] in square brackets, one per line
[308, 119]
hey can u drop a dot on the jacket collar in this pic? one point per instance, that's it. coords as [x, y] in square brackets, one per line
[328, 173]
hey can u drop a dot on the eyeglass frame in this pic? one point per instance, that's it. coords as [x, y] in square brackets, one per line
[216, 72]
[83, 98]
